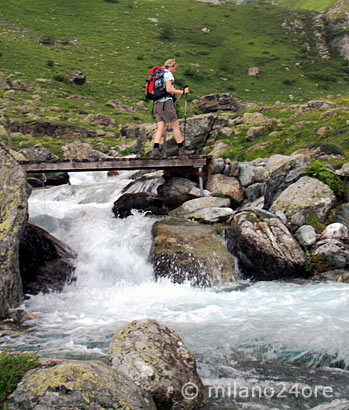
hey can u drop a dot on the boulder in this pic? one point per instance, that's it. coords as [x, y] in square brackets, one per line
[78, 385]
[197, 204]
[265, 248]
[341, 44]
[335, 251]
[254, 191]
[156, 359]
[185, 250]
[343, 214]
[77, 78]
[306, 197]
[176, 190]
[336, 231]
[100, 119]
[141, 201]
[14, 193]
[119, 106]
[222, 185]
[217, 102]
[282, 171]
[306, 235]
[46, 263]
[254, 132]
[212, 215]
[38, 153]
[81, 151]
[254, 119]
[337, 275]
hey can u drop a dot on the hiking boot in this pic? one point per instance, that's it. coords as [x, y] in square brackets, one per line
[156, 154]
[182, 152]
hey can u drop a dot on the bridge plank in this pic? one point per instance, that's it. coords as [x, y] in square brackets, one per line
[116, 164]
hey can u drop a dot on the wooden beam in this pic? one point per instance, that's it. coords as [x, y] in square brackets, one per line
[115, 164]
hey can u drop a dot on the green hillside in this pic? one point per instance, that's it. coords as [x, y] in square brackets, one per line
[115, 42]
[315, 5]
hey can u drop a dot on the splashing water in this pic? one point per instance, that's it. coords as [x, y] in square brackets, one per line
[267, 325]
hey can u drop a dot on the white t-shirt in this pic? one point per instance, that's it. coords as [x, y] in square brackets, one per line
[168, 76]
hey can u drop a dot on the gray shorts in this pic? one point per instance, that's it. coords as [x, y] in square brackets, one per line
[165, 111]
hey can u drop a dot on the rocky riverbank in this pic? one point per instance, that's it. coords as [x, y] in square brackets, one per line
[281, 217]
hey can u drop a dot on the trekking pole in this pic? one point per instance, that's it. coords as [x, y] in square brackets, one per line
[185, 114]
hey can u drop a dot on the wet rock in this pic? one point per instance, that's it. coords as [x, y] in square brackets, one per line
[46, 263]
[222, 185]
[306, 235]
[176, 190]
[81, 151]
[185, 250]
[14, 193]
[308, 196]
[78, 385]
[337, 275]
[141, 201]
[265, 248]
[217, 102]
[156, 359]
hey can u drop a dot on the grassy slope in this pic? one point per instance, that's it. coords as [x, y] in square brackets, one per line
[315, 5]
[115, 44]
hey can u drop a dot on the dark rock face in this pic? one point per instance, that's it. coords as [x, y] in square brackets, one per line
[45, 262]
[156, 359]
[217, 102]
[74, 384]
[265, 248]
[14, 193]
[141, 201]
[176, 190]
[45, 129]
[49, 179]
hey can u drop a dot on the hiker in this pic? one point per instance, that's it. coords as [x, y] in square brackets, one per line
[165, 112]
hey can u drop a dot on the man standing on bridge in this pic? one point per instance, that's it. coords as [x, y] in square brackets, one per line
[165, 112]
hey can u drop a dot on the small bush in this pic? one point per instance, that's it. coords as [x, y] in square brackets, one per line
[12, 368]
[112, 1]
[47, 40]
[319, 171]
[59, 77]
[318, 263]
[166, 32]
[50, 63]
[287, 81]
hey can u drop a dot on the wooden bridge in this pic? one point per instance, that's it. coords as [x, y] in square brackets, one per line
[194, 164]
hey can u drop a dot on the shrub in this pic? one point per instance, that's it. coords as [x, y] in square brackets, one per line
[50, 63]
[112, 1]
[47, 40]
[319, 171]
[12, 368]
[166, 32]
[318, 263]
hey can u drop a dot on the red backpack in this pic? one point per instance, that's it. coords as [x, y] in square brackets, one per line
[155, 87]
